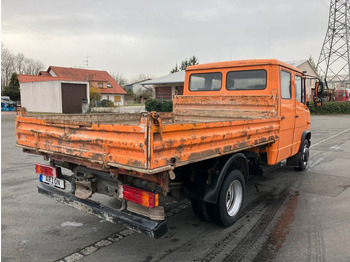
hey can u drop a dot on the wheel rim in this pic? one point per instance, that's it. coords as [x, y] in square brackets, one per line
[234, 197]
[305, 156]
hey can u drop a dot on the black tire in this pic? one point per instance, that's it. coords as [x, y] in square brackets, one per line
[200, 209]
[231, 197]
[197, 208]
[303, 156]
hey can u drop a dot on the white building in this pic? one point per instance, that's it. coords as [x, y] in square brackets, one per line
[63, 89]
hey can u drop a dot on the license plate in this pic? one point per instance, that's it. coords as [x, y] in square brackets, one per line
[52, 181]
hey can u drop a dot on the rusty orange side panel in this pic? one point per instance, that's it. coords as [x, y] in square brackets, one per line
[210, 126]
[192, 142]
[201, 127]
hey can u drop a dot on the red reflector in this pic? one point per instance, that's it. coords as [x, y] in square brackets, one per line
[139, 196]
[46, 170]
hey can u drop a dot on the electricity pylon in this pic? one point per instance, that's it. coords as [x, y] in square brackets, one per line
[334, 61]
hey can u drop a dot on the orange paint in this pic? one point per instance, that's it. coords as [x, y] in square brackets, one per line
[203, 125]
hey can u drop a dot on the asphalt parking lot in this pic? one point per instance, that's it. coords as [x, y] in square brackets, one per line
[288, 215]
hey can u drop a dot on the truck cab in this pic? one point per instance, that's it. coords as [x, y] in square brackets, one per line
[251, 78]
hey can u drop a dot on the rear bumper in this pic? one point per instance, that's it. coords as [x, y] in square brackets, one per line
[155, 229]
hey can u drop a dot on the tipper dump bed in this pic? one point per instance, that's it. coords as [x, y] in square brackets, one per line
[200, 127]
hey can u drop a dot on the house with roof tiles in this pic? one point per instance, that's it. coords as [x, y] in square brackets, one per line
[63, 89]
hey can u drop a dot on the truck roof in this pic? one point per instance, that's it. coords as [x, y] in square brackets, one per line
[242, 63]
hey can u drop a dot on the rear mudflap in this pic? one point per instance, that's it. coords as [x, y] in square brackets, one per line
[155, 229]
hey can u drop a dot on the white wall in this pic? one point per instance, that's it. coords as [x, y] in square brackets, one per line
[42, 96]
[310, 83]
[45, 96]
[111, 98]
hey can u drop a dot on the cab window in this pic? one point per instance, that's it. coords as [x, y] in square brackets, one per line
[299, 89]
[246, 80]
[285, 85]
[205, 82]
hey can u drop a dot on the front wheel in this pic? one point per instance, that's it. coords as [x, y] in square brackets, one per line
[303, 156]
[231, 198]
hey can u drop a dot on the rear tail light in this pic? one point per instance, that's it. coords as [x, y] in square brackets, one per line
[139, 196]
[46, 170]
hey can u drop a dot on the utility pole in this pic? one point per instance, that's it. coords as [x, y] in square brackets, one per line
[334, 61]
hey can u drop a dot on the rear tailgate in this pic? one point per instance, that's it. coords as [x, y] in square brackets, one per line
[101, 139]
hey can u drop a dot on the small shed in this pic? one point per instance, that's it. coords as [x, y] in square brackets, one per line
[54, 95]
[62, 89]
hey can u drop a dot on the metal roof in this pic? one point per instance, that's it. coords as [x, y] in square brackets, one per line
[174, 78]
[296, 63]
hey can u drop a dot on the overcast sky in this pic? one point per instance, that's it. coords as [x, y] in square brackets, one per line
[132, 37]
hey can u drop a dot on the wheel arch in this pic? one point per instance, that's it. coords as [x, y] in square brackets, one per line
[294, 160]
[236, 161]
[306, 135]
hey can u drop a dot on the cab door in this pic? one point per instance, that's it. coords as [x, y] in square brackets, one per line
[302, 114]
[287, 115]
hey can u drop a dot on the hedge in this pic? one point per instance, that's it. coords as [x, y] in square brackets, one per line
[330, 108]
[106, 103]
[159, 105]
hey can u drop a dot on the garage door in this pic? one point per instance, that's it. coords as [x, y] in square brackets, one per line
[72, 96]
[163, 92]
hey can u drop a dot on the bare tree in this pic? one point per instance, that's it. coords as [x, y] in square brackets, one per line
[19, 63]
[141, 77]
[16, 64]
[121, 80]
[32, 67]
[7, 65]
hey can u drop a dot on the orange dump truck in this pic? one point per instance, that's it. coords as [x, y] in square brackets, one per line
[233, 118]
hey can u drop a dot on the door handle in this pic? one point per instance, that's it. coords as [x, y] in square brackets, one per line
[296, 116]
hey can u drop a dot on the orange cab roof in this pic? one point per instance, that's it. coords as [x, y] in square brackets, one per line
[241, 63]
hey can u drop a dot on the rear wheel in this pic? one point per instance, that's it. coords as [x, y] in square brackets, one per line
[303, 156]
[231, 198]
[197, 208]
[200, 209]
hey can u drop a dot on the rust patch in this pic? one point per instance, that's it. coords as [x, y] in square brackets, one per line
[180, 148]
[244, 133]
[200, 155]
[135, 163]
[96, 157]
[227, 148]
[262, 140]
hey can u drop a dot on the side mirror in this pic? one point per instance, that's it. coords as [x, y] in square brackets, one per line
[319, 89]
